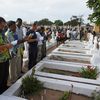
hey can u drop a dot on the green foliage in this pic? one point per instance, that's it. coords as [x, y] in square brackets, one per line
[45, 21]
[89, 72]
[75, 20]
[65, 96]
[72, 22]
[58, 23]
[95, 6]
[96, 95]
[31, 85]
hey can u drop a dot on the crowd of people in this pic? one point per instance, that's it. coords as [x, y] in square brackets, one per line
[13, 40]
[73, 33]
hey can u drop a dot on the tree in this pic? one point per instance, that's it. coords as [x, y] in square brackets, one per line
[67, 23]
[95, 6]
[45, 21]
[74, 21]
[58, 23]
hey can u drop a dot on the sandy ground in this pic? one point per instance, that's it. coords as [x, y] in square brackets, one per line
[56, 95]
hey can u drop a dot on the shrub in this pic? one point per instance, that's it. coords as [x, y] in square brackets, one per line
[31, 85]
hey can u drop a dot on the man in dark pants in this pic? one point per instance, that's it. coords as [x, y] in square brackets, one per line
[4, 57]
[33, 42]
[81, 33]
[4, 69]
[42, 32]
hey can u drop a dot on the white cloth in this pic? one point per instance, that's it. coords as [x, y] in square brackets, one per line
[25, 43]
[24, 31]
[40, 38]
[68, 33]
[90, 42]
[14, 42]
[95, 60]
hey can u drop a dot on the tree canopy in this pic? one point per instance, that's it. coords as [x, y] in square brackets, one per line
[45, 21]
[95, 6]
[74, 21]
[58, 22]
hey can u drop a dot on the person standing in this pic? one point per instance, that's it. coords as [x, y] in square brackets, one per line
[40, 39]
[4, 57]
[74, 34]
[33, 42]
[12, 36]
[81, 33]
[19, 32]
[68, 34]
[42, 32]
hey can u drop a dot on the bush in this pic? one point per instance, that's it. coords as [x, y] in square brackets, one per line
[31, 85]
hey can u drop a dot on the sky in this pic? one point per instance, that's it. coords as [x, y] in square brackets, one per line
[32, 10]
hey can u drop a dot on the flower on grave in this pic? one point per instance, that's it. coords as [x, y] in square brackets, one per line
[91, 68]
[90, 72]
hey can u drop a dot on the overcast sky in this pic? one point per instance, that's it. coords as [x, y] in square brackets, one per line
[31, 10]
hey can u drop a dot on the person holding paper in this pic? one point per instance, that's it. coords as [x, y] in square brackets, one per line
[4, 57]
[12, 37]
[32, 46]
[19, 32]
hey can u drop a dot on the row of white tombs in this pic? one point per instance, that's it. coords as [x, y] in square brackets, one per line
[59, 70]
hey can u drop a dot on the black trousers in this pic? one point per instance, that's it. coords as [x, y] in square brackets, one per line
[32, 56]
[81, 35]
[43, 50]
[4, 73]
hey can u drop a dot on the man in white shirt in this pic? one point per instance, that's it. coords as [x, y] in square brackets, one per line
[19, 32]
[68, 34]
[40, 39]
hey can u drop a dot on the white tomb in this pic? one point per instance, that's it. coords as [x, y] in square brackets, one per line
[94, 49]
[90, 42]
[69, 58]
[95, 60]
[73, 52]
[63, 82]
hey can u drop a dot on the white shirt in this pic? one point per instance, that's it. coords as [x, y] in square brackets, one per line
[24, 31]
[68, 32]
[40, 38]
[74, 32]
[19, 32]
